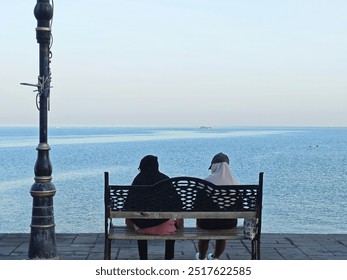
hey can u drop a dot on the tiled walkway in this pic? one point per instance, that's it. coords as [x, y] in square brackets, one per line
[90, 246]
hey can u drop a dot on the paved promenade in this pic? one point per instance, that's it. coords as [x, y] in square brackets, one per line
[90, 246]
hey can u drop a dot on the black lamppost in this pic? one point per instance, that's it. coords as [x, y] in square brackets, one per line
[42, 237]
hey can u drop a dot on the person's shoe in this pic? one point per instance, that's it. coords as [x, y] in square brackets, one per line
[197, 256]
[210, 256]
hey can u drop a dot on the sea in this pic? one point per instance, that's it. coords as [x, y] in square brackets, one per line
[305, 170]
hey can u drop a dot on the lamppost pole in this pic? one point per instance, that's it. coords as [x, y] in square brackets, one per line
[42, 236]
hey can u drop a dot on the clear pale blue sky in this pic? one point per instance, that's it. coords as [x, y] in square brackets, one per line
[180, 62]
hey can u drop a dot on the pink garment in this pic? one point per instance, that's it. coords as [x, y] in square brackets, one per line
[165, 228]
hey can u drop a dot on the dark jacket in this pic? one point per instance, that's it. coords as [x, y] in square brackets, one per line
[149, 175]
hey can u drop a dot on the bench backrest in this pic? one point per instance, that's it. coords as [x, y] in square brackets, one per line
[183, 195]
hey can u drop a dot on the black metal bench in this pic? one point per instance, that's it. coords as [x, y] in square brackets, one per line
[187, 198]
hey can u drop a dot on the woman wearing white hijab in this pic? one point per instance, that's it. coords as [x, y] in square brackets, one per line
[220, 175]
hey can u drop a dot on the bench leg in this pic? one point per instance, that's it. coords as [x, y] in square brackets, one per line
[253, 245]
[255, 249]
[258, 249]
[107, 249]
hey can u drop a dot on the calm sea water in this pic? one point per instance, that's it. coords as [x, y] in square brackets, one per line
[305, 182]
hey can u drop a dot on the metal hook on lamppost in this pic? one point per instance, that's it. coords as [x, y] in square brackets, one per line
[42, 243]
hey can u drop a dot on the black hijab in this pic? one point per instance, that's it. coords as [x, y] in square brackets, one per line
[149, 172]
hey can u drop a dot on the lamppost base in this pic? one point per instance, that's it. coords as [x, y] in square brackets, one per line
[42, 236]
[42, 244]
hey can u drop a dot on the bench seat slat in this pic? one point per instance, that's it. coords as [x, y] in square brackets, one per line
[187, 233]
[183, 215]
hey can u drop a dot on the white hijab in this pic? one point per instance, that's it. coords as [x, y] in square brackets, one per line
[221, 175]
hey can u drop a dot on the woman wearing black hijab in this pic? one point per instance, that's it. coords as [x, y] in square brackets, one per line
[149, 175]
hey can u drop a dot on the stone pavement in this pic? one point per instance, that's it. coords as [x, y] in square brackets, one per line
[90, 246]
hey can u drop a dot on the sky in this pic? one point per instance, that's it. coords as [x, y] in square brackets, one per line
[180, 62]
